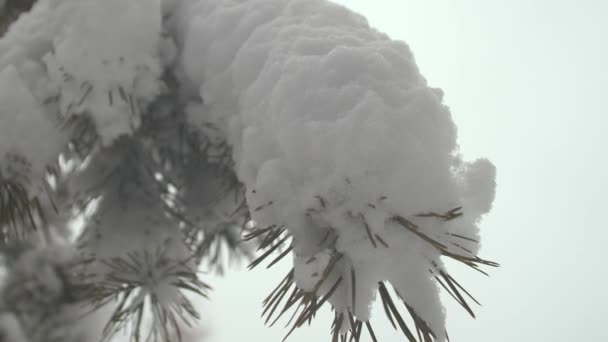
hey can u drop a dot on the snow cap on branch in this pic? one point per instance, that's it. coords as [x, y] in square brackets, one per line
[108, 69]
[68, 53]
[336, 133]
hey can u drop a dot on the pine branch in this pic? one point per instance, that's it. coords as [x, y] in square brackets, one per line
[11, 11]
[19, 214]
[138, 283]
[346, 327]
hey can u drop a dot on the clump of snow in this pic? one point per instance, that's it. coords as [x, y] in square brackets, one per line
[332, 125]
[67, 53]
[36, 282]
[311, 269]
[108, 70]
[10, 328]
[29, 138]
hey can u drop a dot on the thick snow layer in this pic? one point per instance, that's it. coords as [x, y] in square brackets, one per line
[329, 117]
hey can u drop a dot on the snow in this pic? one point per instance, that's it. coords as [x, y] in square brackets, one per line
[10, 329]
[35, 282]
[108, 71]
[332, 126]
[325, 113]
[65, 50]
[23, 121]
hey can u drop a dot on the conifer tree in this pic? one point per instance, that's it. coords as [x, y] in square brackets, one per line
[141, 140]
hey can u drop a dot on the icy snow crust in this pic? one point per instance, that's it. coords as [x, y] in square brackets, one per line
[332, 126]
[329, 117]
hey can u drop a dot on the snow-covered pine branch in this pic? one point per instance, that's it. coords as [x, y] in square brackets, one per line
[174, 124]
[338, 139]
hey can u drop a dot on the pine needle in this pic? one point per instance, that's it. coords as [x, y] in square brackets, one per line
[129, 281]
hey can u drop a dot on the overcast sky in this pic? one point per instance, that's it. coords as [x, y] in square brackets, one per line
[526, 82]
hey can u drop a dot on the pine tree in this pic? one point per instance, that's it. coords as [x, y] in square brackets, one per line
[141, 140]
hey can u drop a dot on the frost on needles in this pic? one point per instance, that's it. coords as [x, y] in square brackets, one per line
[140, 138]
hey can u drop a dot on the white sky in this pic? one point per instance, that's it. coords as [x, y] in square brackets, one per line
[526, 82]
